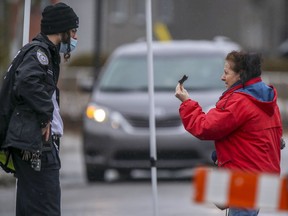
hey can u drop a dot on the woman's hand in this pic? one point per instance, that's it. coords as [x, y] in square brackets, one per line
[181, 93]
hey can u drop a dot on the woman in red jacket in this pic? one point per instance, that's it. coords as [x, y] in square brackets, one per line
[245, 124]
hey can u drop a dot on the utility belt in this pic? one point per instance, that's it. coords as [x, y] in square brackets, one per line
[35, 157]
[54, 139]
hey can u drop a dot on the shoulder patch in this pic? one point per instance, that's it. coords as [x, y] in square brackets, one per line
[42, 58]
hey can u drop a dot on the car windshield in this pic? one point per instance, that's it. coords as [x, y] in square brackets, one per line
[129, 73]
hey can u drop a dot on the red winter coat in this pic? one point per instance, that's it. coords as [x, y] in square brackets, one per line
[246, 130]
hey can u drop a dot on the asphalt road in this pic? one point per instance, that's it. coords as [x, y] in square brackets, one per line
[122, 198]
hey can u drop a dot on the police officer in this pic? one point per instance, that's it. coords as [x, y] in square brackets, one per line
[36, 125]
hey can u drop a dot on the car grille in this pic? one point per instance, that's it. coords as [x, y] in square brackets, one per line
[142, 122]
[161, 155]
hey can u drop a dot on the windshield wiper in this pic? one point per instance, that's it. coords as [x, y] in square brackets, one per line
[203, 88]
[121, 89]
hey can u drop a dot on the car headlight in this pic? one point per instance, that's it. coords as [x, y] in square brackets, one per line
[106, 116]
[99, 114]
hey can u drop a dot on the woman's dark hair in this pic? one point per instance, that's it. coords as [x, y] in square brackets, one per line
[248, 65]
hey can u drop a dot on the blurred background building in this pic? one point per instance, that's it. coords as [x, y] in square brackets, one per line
[256, 25]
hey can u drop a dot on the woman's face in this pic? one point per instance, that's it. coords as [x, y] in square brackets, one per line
[229, 76]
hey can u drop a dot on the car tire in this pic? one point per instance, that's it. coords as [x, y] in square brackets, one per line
[94, 174]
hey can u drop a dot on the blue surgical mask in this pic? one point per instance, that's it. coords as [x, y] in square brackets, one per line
[64, 46]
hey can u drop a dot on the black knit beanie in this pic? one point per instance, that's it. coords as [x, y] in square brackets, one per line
[58, 18]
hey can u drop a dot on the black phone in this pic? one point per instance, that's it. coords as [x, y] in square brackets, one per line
[183, 79]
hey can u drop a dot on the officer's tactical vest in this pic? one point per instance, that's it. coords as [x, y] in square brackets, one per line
[7, 102]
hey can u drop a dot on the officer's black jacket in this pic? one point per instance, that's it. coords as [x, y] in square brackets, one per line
[35, 82]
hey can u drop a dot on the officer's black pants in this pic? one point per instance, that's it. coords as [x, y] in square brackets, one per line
[38, 192]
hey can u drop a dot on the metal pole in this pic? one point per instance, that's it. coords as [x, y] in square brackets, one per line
[98, 34]
[151, 106]
[25, 40]
[26, 26]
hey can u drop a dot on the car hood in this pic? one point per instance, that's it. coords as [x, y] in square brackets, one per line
[137, 103]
